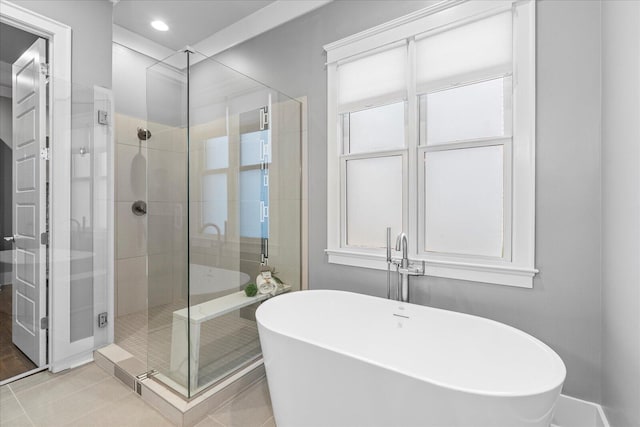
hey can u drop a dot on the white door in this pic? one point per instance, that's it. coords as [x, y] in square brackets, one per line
[29, 216]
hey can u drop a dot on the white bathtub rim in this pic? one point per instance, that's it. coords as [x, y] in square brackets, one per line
[555, 385]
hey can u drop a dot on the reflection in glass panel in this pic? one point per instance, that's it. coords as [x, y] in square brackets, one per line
[214, 203]
[254, 148]
[464, 201]
[466, 112]
[379, 128]
[374, 200]
[480, 45]
[250, 215]
[217, 153]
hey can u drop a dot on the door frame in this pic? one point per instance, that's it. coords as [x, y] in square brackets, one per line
[62, 353]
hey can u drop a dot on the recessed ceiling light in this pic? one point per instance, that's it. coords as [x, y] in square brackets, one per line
[160, 26]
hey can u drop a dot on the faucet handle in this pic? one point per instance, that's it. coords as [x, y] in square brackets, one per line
[414, 270]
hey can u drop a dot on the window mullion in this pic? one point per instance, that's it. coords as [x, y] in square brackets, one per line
[410, 202]
[374, 154]
[472, 143]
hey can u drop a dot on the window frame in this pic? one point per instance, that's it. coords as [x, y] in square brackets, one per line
[505, 141]
[517, 265]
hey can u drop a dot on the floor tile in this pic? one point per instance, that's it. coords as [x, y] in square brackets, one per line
[9, 406]
[251, 408]
[209, 422]
[128, 411]
[60, 386]
[21, 421]
[32, 381]
[59, 412]
[271, 422]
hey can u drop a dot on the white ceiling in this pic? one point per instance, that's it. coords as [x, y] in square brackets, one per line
[189, 21]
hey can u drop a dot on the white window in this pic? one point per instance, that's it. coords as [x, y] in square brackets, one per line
[431, 132]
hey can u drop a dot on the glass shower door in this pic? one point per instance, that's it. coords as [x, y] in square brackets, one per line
[167, 226]
[238, 183]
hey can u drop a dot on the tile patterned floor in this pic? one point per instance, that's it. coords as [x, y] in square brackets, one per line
[88, 397]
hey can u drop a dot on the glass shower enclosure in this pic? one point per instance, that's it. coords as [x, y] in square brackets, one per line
[223, 206]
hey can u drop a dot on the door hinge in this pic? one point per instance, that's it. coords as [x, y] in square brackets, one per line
[44, 323]
[44, 238]
[103, 117]
[264, 211]
[264, 118]
[44, 154]
[102, 320]
[143, 376]
[44, 69]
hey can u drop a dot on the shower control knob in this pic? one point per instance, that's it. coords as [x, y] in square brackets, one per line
[139, 208]
[144, 134]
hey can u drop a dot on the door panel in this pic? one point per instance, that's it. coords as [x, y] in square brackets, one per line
[29, 286]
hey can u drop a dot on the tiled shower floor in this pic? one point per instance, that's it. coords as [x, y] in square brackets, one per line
[226, 342]
[131, 334]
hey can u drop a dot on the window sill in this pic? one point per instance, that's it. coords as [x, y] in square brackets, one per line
[485, 273]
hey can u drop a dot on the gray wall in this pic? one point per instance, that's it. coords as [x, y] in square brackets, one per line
[621, 212]
[90, 21]
[130, 81]
[563, 309]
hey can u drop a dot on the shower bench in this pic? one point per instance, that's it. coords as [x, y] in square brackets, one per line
[201, 313]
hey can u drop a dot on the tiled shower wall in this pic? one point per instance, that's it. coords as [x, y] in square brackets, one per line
[131, 231]
[151, 171]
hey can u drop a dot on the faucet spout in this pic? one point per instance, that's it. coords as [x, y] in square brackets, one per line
[214, 226]
[403, 267]
[403, 244]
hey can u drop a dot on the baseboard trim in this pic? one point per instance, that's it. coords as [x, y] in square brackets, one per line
[574, 412]
[72, 362]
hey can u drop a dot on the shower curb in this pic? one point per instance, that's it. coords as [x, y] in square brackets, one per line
[180, 411]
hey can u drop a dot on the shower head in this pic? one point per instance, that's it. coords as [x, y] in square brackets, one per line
[144, 134]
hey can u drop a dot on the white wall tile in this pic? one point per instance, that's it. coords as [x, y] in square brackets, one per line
[131, 175]
[132, 285]
[131, 237]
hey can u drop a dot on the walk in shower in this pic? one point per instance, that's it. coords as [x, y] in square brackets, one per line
[223, 195]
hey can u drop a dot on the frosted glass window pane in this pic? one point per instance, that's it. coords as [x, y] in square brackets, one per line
[464, 201]
[250, 191]
[217, 153]
[466, 112]
[476, 46]
[374, 200]
[251, 145]
[379, 128]
[371, 76]
[214, 202]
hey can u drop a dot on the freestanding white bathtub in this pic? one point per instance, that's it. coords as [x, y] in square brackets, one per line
[342, 359]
